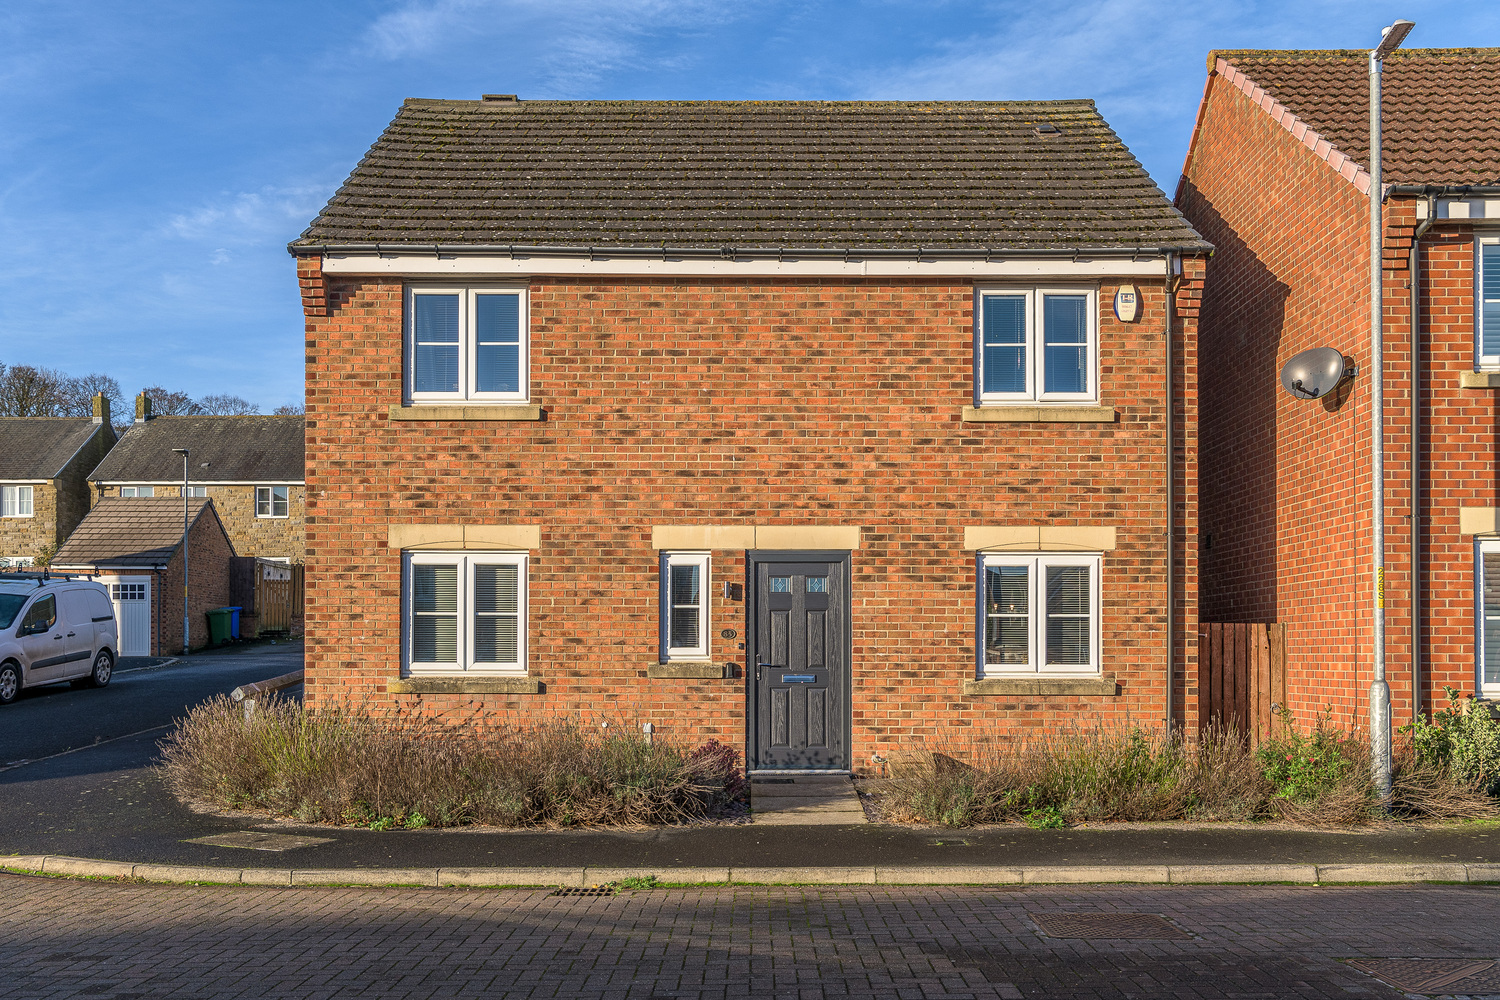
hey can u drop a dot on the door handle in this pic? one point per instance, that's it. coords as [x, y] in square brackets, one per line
[72, 634]
[57, 638]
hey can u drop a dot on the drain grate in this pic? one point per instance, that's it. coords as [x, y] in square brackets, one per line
[1109, 926]
[593, 890]
[1431, 975]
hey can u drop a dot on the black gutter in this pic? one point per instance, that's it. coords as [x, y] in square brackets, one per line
[733, 253]
[1442, 190]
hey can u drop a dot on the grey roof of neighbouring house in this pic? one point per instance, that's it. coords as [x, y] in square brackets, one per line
[132, 532]
[41, 447]
[255, 449]
[752, 175]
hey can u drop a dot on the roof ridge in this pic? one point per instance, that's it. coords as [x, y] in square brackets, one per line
[1336, 55]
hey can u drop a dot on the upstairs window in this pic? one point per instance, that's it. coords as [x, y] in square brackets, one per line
[684, 606]
[15, 501]
[272, 501]
[1039, 615]
[1487, 304]
[194, 491]
[1035, 345]
[466, 343]
[137, 491]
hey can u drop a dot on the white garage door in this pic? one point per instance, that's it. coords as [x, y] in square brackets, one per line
[132, 599]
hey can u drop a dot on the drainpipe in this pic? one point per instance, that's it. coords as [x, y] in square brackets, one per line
[1413, 271]
[1168, 286]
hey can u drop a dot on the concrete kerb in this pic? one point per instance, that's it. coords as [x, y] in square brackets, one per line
[905, 875]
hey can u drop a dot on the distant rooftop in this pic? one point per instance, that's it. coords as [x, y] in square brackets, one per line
[140, 532]
[253, 449]
[1440, 108]
[39, 447]
[752, 175]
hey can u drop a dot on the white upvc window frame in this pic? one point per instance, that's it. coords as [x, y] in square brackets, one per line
[270, 502]
[135, 492]
[464, 665]
[1483, 361]
[1035, 368]
[17, 501]
[1037, 563]
[467, 294]
[193, 491]
[701, 652]
[1481, 547]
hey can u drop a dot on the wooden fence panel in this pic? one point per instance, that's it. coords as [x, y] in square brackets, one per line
[1241, 677]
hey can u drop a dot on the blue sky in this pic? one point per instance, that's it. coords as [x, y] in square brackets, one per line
[155, 158]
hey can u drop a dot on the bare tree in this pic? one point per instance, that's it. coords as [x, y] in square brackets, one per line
[79, 393]
[290, 410]
[170, 404]
[224, 405]
[27, 391]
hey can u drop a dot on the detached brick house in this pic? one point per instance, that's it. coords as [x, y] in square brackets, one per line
[251, 466]
[814, 427]
[44, 490]
[1276, 179]
[134, 547]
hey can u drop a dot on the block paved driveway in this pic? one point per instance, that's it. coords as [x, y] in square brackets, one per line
[74, 938]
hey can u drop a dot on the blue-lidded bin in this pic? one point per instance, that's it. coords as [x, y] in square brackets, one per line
[234, 622]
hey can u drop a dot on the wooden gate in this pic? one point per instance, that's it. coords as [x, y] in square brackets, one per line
[1241, 677]
[269, 592]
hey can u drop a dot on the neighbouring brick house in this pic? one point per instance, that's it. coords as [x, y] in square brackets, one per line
[1276, 179]
[134, 548]
[44, 489]
[812, 427]
[251, 467]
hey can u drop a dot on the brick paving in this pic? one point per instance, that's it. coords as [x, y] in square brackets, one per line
[123, 941]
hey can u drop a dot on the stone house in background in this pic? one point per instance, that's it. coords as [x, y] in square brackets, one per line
[134, 547]
[250, 466]
[1276, 178]
[819, 428]
[44, 490]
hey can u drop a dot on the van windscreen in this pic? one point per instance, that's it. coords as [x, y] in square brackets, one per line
[10, 606]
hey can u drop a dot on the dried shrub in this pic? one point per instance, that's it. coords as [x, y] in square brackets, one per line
[345, 767]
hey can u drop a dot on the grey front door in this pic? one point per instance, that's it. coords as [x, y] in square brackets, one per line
[799, 660]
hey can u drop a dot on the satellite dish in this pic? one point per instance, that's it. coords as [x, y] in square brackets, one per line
[1315, 373]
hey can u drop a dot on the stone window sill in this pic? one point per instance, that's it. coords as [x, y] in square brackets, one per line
[465, 685]
[1043, 686]
[1005, 414]
[686, 670]
[466, 413]
[1479, 380]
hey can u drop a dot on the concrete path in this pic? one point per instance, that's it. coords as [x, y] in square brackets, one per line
[805, 800]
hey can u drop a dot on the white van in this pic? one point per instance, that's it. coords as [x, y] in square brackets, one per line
[54, 628]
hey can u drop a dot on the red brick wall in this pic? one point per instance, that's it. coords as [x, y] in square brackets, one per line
[718, 401]
[1285, 484]
[1461, 436]
[208, 586]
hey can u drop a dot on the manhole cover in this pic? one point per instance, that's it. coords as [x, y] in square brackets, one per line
[1107, 926]
[258, 840]
[1431, 975]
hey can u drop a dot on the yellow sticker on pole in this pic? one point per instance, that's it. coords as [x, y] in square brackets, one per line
[1380, 587]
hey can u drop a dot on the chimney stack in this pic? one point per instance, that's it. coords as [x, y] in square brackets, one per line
[143, 407]
[101, 408]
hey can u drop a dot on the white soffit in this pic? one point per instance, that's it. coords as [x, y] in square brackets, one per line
[428, 264]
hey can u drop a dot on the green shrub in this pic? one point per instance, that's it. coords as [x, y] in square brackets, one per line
[1305, 767]
[1462, 740]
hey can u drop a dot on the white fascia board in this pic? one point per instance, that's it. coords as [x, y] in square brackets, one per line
[25, 482]
[198, 482]
[476, 265]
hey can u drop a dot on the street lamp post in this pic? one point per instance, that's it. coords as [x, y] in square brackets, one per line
[184, 453]
[1380, 692]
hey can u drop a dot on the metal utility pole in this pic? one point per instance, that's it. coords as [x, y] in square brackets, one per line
[184, 453]
[1380, 692]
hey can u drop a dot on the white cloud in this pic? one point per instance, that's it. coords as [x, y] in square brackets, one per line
[278, 213]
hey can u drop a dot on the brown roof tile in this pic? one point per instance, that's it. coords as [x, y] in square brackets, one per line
[751, 175]
[40, 447]
[1440, 108]
[136, 532]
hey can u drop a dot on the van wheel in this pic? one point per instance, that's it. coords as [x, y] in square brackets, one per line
[104, 668]
[10, 683]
